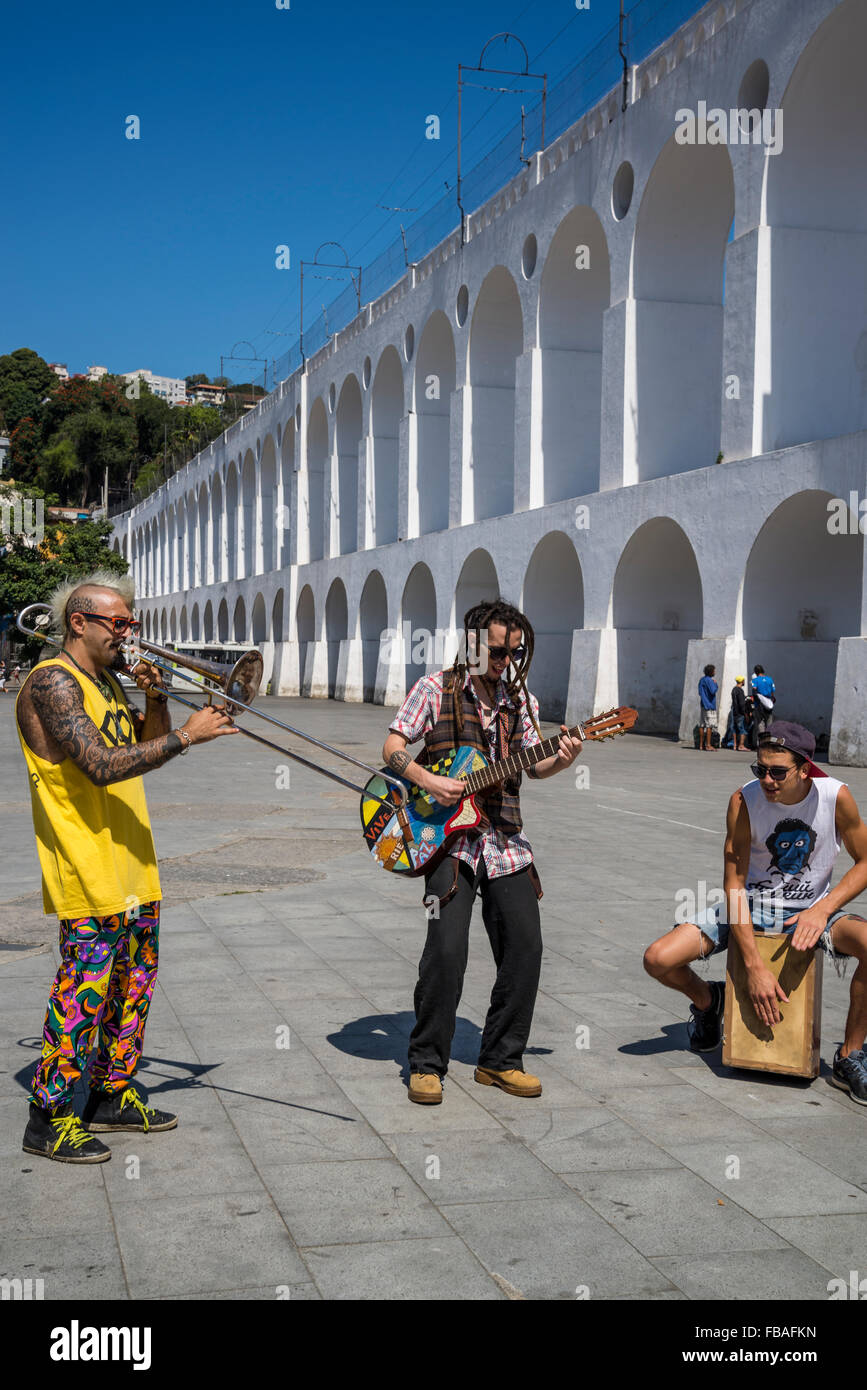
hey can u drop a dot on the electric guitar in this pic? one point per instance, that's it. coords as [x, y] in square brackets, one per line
[413, 839]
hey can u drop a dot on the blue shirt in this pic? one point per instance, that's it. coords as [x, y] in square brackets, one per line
[707, 689]
[763, 685]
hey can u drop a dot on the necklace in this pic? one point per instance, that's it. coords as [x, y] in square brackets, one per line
[105, 688]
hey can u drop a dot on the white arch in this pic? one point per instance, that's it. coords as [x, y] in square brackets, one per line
[656, 610]
[553, 601]
[418, 607]
[271, 529]
[496, 340]
[336, 630]
[348, 431]
[433, 387]
[317, 459]
[794, 613]
[373, 621]
[674, 409]
[816, 197]
[385, 417]
[575, 292]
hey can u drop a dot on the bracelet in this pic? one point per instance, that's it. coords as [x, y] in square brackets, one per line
[181, 733]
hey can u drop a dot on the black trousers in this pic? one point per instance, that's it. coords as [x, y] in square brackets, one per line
[510, 911]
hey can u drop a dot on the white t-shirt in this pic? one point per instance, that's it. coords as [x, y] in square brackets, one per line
[793, 848]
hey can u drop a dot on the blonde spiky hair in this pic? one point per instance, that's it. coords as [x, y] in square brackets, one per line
[122, 584]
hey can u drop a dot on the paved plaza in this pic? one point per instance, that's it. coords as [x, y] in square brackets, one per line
[278, 1034]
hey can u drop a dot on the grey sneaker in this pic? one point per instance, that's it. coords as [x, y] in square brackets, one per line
[705, 1026]
[850, 1074]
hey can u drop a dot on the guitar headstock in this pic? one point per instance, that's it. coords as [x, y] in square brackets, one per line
[611, 723]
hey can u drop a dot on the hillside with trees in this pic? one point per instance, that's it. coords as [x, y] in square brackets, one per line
[64, 435]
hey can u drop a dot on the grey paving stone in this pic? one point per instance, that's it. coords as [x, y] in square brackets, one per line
[194, 1159]
[588, 1139]
[765, 1276]
[78, 1265]
[679, 1114]
[671, 1212]
[761, 1095]
[548, 1248]
[296, 1293]
[321, 982]
[458, 1166]
[429, 1270]
[351, 1201]
[839, 1139]
[299, 1133]
[799, 1186]
[186, 1244]
[838, 1243]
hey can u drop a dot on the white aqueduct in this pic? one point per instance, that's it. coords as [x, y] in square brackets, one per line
[541, 412]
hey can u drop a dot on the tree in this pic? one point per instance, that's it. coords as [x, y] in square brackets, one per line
[25, 380]
[198, 380]
[30, 574]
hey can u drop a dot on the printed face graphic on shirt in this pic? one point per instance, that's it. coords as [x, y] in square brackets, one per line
[791, 843]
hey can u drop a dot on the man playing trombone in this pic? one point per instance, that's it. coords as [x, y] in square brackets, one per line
[86, 749]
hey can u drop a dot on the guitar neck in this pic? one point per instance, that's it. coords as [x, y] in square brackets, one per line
[528, 757]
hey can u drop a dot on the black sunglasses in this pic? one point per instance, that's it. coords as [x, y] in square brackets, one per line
[779, 774]
[500, 653]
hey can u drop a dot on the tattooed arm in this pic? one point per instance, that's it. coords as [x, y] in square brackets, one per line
[445, 790]
[57, 703]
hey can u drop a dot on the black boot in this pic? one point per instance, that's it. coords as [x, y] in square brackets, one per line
[57, 1133]
[126, 1109]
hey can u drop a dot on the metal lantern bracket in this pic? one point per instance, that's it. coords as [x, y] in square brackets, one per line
[233, 357]
[328, 265]
[500, 72]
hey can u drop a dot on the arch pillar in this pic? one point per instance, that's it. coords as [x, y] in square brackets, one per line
[529, 478]
[592, 673]
[618, 459]
[315, 683]
[350, 681]
[729, 656]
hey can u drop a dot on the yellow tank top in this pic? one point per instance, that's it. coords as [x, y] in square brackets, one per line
[95, 843]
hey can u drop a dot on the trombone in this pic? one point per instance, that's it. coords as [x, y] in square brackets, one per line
[239, 687]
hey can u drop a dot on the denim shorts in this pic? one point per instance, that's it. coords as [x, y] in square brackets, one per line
[714, 924]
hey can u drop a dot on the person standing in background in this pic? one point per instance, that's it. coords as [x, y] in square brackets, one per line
[708, 719]
[739, 715]
[764, 699]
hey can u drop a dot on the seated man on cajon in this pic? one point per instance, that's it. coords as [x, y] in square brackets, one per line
[783, 834]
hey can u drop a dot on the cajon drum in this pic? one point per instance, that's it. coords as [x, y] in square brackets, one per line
[792, 1046]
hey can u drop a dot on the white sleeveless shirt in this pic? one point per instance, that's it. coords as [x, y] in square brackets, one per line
[793, 848]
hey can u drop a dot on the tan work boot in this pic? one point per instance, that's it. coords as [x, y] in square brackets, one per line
[425, 1088]
[517, 1083]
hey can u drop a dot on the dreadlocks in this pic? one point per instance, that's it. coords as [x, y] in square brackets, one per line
[477, 620]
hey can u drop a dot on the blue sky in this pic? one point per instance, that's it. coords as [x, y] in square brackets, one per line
[259, 127]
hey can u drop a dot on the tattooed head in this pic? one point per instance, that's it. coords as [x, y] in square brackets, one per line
[81, 595]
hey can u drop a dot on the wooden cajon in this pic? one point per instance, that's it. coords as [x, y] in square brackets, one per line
[792, 1046]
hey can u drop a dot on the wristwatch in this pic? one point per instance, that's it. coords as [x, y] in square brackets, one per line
[181, 733]
[158, 695]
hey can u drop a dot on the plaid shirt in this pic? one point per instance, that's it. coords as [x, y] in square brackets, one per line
[420, 712]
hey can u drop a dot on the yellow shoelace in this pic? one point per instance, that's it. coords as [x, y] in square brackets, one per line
[69, 1129]
[131, 1097]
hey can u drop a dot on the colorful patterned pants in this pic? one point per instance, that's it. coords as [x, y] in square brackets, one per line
[100, 998]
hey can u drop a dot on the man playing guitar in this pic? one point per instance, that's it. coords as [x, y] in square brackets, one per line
[497, 715]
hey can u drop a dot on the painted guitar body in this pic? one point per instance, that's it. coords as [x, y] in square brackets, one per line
[413, 840]
[432, 826]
